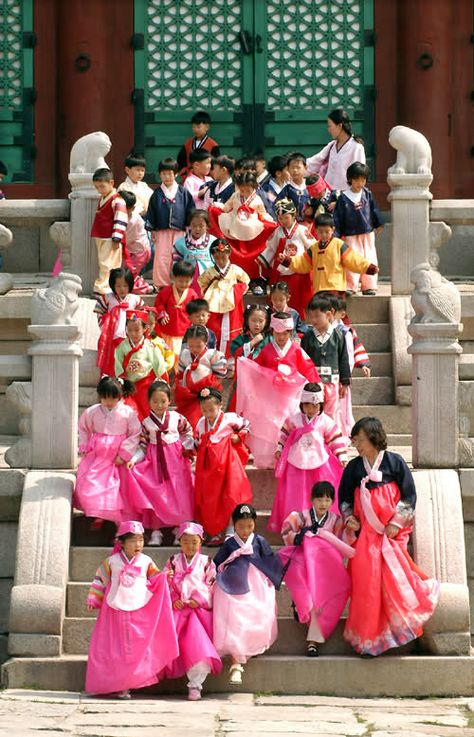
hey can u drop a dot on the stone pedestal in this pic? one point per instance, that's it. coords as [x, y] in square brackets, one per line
[83, 255]
[435, 358]
[55, 378]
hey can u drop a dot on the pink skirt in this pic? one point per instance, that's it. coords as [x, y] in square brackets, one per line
[245, 624]
[162, 502]
[194, 632]
[163, 258]
[101, 485]
[128, 649]
[293, 490]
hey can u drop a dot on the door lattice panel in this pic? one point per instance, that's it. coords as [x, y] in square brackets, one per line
[11, 55]
[193, 55]
[315, 54]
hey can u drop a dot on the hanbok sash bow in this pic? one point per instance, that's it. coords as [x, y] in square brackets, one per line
[245, 549]
[129, 573]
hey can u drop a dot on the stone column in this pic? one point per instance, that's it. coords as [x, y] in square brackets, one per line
[6, 280]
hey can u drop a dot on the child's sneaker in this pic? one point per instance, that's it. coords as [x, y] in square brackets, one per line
[194, 693]
[124, 695]
[235, 674]
[215, 541]
[156, 538]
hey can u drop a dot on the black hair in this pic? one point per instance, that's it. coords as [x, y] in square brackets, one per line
[342, 304]
[248, 312]
[373, 428]
[168, 164]
[210, 392]
[201, 117]
[331, 298]
[247, 163]
[259, 156]
[225, 162]
[121, 274]
[129, 198]
[319, 303]
[340, 117]
[196, 331]
[109, 386]
[323, 488]
[215, 246]
[200, 154]
[325, 220]
[296, 156]
[312, 386]
[197, 213]
[135, 160]
[128, 535]
[357, 170]
[277, 163]
[246, 178]
[183, 268]
[103, 174]
[158, 386]
[3, 169]
[197, 305]
[281, 315]
[244, 511]
[280, 286]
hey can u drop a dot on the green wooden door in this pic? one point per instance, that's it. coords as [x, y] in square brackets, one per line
[268, 72]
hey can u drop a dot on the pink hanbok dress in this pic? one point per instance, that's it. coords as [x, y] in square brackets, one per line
[311, 451]
[197, 654]
[134, 637]
[161, 486]
[316, 576]
[101, 484]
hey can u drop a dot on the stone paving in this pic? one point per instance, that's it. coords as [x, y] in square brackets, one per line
[26, 713]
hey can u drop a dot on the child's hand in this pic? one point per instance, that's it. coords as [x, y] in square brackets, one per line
[256, 339]
[378, 230]
[115, 245]
[392, 530]
[281, 257]
[353, 523]
[234, 438]
[192, 604]
[277, 454]
[178, 604]
[164, 320]
[170, 573]
[342, 390]
[331, 206]
[119, 461]
[366, 371]
[130, 464]
[90, 608]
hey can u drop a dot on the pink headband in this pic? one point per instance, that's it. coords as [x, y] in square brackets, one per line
[279, 325]
[190, 528]
[312, 397]
[136, 528]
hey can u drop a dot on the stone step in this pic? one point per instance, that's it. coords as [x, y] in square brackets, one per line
[376, 390]
[395, 418]
[369, 309]
[381, 364]
[350, 676]
[374, 336]
[466, 367]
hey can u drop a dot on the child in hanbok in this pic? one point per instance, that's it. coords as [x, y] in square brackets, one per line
[199, 367]
[170, 305]
[245, 612]
[280, 297]
[221, 480]
[317, 543]
[269, 387]
[194, 245]
[168, 355]
[310, 448]
[134, 637]
[137, 250]
[243, 222]
[255, 336]
[391, 597]
[138, 360]
[161, 484]
[223, 287]
[191, 577]
[111, 309]
[109, 433]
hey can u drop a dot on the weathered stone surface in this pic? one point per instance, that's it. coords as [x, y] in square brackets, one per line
[8, 542]
[34, 645]
[6, 585]
[11, 488]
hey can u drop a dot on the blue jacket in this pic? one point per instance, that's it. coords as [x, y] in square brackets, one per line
[234, 579]
[165, 214]
[351, 219]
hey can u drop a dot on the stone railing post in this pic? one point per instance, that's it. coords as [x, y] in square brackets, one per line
[6, 280]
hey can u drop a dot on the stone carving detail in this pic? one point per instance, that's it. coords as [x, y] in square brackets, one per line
[88, 154]
[413, 151]
[19, 393]
[57, 304]
[6, 280]
[434, 299]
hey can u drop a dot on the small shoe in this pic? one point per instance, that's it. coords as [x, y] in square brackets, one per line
[215, 541]
[194, 694]
[235, 674]
[156, 538]
[97, 524]
[312, 650]
[257, 291]
[349, 293]
[124, 695]
[369, 292]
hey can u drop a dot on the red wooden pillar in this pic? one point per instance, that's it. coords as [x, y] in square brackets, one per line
[425, 84]
[95, 78]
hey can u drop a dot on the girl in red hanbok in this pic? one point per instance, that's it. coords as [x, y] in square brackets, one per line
[391, 597]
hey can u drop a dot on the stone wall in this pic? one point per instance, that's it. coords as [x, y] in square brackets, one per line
[467, 489]
[11, 487]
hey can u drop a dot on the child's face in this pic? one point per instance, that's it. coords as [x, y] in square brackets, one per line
[297, 170]
[135, 173]
[221, 259]
[167, 176]
[286, 220]
[159, 402]
[133, 545]
[104, 187]
[200, 129]
[198, 227]
[321, 504]
[182, 282]
[279, 301]
[244, 528]
[358, 184]
[196, 346]
[245, 190]
[109, 403]
[281, 339]
[135, 330]
[310, 409]
[121, 287]
[151, 321]
[202, 168]
[319, 319]
[324, 233]
[199, 318]
[257, 322]
[219, 173]
[260, 165]
[210, 408]
[190, 544]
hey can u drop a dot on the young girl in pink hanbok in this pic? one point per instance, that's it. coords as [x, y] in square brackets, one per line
[191, 576]
[161, 484]
[310, 448]
[109, 433]
[245, 613]
[317, 543]
[134, 637]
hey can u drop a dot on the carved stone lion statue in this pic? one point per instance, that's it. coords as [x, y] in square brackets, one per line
[88, 152]
[413, 151]
[434, 299]
[57, 304]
